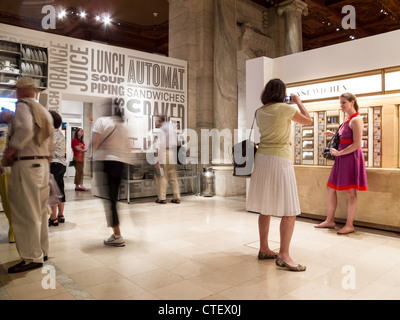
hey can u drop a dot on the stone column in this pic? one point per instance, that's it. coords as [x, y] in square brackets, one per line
[293, 10]
[191, 38]
[225, 67]
[225, 95]
[204, 34]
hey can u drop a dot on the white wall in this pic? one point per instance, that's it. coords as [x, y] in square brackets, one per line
[259, 71]
[371, 53]
[376, 52]
[72, 109]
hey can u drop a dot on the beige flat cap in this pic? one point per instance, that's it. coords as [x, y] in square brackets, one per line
[26, 83]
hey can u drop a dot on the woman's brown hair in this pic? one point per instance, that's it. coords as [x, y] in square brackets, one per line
[351, 97]
[76, 134]
[274, 91]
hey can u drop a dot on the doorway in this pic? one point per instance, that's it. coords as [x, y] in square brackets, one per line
[70, 128]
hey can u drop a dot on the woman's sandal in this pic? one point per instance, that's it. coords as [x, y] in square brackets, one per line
[61, 219]
[280, 263]
[53, 222]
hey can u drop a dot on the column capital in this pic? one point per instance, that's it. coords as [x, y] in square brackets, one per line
[293, 6]
[247, 31]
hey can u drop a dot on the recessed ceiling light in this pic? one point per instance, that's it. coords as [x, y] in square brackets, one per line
[62, 14]
[107, 20]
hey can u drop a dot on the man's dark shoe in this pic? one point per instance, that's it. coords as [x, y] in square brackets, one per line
[161, 201]
[23, 267]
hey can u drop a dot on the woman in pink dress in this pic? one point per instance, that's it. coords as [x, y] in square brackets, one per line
[348, 173]
[79, 149]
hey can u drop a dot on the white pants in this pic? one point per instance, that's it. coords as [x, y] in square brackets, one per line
[29, 194]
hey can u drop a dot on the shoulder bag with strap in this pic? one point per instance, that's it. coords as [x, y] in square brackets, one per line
[243, 155]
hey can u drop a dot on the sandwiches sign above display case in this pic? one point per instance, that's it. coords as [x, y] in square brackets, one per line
[362, 84]
[369, 84]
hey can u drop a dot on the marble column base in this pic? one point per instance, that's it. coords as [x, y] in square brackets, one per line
[226, 184]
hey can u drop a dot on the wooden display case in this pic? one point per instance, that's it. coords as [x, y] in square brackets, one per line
[21, 60]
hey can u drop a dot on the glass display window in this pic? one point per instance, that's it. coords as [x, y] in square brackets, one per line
[308, 155]
[308, 133]
[364, 116]
[334, 120]
[304, 143]
[377, 137]
[308, 144]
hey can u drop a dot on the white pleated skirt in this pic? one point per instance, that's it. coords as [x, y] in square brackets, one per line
[273, 187]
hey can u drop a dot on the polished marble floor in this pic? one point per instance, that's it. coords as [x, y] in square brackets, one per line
[204, 248]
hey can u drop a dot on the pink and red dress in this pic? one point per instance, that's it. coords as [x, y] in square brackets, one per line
[348, 172]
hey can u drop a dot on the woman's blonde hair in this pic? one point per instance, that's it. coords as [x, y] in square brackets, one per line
[351, 97]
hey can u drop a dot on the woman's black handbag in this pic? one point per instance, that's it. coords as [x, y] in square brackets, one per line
[333, 143]
[243, 156]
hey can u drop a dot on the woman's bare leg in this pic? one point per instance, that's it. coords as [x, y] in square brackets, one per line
[263, 229]
[331, 208]
[352, 204]
[286, 231]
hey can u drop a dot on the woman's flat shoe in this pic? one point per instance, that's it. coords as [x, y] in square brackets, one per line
[263, 256]
[177, 201]
[161, 201]
[280, 263]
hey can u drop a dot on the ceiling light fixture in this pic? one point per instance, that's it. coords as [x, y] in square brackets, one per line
[387, 12]
[62, 14]
[107, 20]
[82, 14]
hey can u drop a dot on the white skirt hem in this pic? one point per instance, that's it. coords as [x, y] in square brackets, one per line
[273, 187]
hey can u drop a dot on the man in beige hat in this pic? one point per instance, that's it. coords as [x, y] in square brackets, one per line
[30, 146]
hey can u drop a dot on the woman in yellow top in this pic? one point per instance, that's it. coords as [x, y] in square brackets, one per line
[273, 188]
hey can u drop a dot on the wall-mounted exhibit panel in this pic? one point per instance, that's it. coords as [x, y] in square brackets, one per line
[144, 85]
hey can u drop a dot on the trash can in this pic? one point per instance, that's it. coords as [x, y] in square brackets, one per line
[207, 182]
